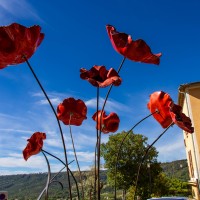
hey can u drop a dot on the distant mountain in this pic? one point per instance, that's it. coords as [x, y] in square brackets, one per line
[28, 186]
[176, 169]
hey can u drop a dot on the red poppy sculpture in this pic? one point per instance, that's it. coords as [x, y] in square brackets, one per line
[180, 119]
[159, 101]
[18, 41]
[35, 144]
[136, 50]
[109, 123]
[72, 111]
[98, 76]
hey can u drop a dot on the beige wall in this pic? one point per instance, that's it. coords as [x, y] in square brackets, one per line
[195, 108]
[189, 99]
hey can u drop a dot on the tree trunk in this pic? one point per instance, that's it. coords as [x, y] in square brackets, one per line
[123, 194]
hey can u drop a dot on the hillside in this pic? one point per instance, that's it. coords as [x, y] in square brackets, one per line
[29, 186]
[176, 169]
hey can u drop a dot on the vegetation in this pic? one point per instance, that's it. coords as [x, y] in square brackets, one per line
[156, 179]
[152, 181]
[177, 169]
[28, 186]
[131, 153]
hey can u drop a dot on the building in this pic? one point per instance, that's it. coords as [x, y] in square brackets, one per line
[189, 99]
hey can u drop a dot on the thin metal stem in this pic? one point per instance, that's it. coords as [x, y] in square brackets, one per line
[48, 180]
[61, 133]
[62, 169]
[124, 58]
[96, 166]
[80, 175]
[108, 93]
[122, 142]
[99, 138]
[95, 171]
[57, 182]
[144, 156]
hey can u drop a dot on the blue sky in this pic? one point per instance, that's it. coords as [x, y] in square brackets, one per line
[75, 37]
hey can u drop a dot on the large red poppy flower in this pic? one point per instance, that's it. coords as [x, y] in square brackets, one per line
[109, 123]
[98, 76]
[159, 101]
[35, 144]
[72, 112]
[180, 119]
[136, 50]
[18, 41]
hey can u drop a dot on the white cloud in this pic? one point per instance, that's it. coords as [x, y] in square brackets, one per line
[172, 150]
[15, 161]
[54, 142]
[15, 164]
[81, 141]
[55, 98]
[111, 105]
[15, 9]
[54, 101]
[3, 115]
[85, 156]
[15, 130]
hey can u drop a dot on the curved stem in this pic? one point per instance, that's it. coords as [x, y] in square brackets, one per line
[97, 178]
[95, 170]
[63, 168]
[48, 180]
[80, 175]
[99, 137]
[57, 182]
[122, 142]
[144, 156]
[61, 133]
[124, 58]
[96, 165]
[57, 175]
[108, 93]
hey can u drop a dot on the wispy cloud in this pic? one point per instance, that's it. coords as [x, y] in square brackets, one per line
[54, 101]
[85, 156]
[172, 150]
[54, 97]
[111, 105]
[15, 130]
[18, 10]
[40, 118]
[16, 161]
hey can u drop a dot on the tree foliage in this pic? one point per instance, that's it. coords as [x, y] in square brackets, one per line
[131, 153]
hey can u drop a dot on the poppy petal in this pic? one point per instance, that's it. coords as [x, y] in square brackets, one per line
[35, 144]
[72, 112]
[108, 123]
[180, 119]
[137, 50]
[18, 41]
[159, 101]
[98, 76]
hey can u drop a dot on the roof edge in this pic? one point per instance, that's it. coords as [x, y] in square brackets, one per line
[183, 89]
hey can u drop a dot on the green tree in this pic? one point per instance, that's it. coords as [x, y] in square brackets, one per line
[130, 156]
[162, 185]
[179, 188]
